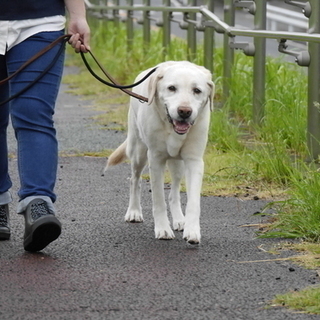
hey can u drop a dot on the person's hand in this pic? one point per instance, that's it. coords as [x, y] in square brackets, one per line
[80, 35]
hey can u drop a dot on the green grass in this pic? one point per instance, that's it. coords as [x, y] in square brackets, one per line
[299, 216]
[305, 301]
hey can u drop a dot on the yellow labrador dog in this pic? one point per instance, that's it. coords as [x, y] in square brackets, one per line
[172, 129]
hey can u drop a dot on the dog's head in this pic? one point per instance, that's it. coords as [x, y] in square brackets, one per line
[183, 90]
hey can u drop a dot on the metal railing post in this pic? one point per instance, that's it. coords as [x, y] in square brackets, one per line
[228, 59]
[116, 22]
[130, 32]
[166, 28]
[146, 27]
[259, 71]
[208, 41]
[313, 133]
[192, 34]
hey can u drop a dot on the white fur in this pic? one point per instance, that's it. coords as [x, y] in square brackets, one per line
[151, 137]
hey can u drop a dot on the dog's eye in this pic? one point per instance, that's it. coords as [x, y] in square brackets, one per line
[172, 88]
[197, 91]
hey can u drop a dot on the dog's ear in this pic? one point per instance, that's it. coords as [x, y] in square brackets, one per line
[210, 84]
[211, 94]
[153, 83]
[156, 77]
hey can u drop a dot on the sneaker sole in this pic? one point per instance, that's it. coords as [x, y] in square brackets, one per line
[4, 234]
[44, 233]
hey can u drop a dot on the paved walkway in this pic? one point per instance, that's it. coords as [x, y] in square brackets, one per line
[104, 268]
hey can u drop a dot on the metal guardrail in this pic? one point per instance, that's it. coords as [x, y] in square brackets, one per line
[203, 19]
[284, 17]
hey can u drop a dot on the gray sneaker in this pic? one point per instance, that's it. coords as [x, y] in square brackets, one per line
[41, 226]
[4, 222]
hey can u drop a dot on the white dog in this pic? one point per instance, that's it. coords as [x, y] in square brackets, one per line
[172, 128]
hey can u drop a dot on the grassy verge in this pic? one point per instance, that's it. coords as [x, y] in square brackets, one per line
[241, 159]
[306, 301]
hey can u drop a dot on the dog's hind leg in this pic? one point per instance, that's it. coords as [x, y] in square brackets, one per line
[138, 157]
[176, 168]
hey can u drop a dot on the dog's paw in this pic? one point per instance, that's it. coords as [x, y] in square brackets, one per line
[133, 216]
[164, 234]
[192, 235]
[178, 225]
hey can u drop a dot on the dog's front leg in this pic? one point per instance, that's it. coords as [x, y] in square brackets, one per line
[176, 168]
[194, 175]
[161, 222]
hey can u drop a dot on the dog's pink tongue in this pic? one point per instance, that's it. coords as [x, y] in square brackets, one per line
[181, 127]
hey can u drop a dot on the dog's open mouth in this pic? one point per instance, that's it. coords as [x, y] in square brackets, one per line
[181, 127]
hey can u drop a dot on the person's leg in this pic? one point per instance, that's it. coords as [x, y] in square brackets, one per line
[5, 182]
[32, 120]
[32, 115]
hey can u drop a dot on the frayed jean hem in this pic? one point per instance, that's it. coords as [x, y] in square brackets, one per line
[22, 205]
[5, 198]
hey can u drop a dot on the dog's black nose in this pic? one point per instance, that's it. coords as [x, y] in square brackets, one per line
[184, 112]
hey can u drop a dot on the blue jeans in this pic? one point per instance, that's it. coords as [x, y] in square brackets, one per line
[31, 116]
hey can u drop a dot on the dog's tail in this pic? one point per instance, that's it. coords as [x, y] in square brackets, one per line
[117, 156]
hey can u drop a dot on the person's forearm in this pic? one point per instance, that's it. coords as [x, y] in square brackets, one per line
[75, 8]
[78, 27]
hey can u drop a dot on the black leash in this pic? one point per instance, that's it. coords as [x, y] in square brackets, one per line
[64, 39]
[113, 85]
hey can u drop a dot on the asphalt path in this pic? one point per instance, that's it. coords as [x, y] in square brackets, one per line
[104, 268]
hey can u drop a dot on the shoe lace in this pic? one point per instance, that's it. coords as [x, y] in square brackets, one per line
[3, 216]
[39, 209]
